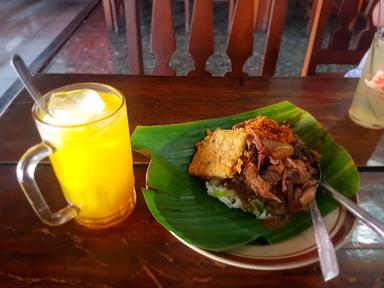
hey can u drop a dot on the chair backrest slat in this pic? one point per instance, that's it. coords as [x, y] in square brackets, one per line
[338, 50]
[135, 64]
[347, 15]
[323, 11]
[240, 40]
[274, 33]
[230, 11]
[365, 36]
[200, 44]
[163, 43]
[261, 15]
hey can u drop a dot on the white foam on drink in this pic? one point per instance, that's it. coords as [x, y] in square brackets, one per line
[74, 107]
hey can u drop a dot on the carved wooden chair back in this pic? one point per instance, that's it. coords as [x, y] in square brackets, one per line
[339, 50]
[201, 42]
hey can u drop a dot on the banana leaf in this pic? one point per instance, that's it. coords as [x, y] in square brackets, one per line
[180, 202]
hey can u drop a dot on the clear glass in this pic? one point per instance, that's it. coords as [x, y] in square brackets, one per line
[367, 108]
[92, 161]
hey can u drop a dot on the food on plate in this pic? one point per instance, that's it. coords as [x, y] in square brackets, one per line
[218, 155]
[259, 166]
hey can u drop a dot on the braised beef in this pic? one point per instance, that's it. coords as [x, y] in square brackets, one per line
[285, 184]
[272, 175]
[237, 184]
[257, 184]
[275, 172]
[307, 196]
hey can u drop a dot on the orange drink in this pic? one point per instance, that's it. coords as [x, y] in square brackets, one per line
[92, 160]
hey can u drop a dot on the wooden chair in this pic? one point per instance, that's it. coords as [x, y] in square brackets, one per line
[111, 14]
[200, 42]
[187, 12]
[261, 15]
[338, 50]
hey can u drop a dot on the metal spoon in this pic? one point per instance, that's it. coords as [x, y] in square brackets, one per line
[328, 261]
[325, 249]
[26, 77]
[367, 218]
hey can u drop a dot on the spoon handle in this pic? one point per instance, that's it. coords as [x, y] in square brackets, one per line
[325, 249]
[367, 218]
[26, 77]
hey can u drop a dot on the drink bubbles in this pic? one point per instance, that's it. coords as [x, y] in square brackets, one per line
[367, 107]
[376, 95]
[74, 107]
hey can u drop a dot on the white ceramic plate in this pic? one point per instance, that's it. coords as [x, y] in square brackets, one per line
[296, 252]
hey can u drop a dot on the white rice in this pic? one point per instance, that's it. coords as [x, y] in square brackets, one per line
[229, 198]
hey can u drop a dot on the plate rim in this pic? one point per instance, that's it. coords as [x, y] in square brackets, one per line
[210, 254]
[288, 266]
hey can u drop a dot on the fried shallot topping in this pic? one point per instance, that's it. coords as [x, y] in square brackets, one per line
[267, 129]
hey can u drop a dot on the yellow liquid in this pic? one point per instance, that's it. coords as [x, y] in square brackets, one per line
[93, 164]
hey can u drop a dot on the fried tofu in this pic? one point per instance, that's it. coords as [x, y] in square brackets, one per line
[218, 155]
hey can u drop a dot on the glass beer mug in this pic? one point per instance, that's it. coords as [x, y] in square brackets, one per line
[91, 160]
[367, 108]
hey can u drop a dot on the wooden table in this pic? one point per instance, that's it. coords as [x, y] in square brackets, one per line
[140, 252]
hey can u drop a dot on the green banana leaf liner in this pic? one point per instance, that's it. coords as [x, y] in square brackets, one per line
[180, 203]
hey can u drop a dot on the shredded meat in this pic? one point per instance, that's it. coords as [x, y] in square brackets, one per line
[307, 196]
[237, 184]
[275, 168]
[262, 152]
[278, 167]
[272, 174]
[284, 181]
[297, 165]
[257, 184]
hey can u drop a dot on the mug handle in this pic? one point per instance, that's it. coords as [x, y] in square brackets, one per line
[26, 176]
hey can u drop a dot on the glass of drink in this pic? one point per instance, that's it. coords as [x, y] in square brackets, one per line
[367, 108]
[85, 133]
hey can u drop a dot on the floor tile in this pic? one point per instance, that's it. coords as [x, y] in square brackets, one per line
[27, 27]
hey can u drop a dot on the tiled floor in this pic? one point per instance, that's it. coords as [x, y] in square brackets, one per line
[27, 27]
[91, 49]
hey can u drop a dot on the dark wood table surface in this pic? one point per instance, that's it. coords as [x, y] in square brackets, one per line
[139, 251]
